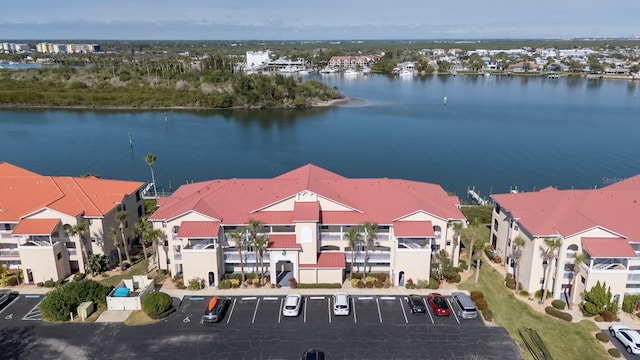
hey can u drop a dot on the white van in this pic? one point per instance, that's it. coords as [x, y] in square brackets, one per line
[341, 304]
[466, 307]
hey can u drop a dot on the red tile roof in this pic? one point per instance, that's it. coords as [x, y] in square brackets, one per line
[382, 200]
[36, 227]
[327, 259]
[306, 211]
[199, 229]
[413, 229]
[568, 212]
[283, 241]
[23, 192]
[608, 247]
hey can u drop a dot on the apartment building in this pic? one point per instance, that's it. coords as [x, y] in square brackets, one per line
[305, 215]
[601, 223]
[37, 212]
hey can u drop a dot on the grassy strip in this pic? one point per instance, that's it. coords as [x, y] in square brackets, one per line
[138, 318]
[137, 269]
[564, 340]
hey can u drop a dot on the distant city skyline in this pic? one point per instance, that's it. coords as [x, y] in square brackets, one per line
[318, 20]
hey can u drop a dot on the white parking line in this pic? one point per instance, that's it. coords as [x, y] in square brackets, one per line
[428, 312]
[270, 298]
[305, 309]
[365, 298]
[329, 309]
[6, 307]
[453, 310]
[249, 298]
[316, 297]
[355, 316]
[280, 313]
[387, 298]
[31, 315]
[231, 312]
[379, 313]
[403, 311]
[255, 311]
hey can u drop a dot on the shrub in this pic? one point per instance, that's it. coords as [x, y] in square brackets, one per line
[422, 284]
[487, 314]
[40, 284]
[598, 318]
[49, 283]
[538, 294]
[369, 280]
[381, 277]
[377, 284]
[614, 352]
[293, 283]
[157, 305]
[57, 305]
[629, 303]
[356, 276]
[124, 265]
[433, 283]
[558, 304]
[369, 284]
[557, 313]
[386, 284]
[510, 282]
[195, 284]
[462, 265]
[490, 253]
[250, 276]
[481, 304]
[524, 293]
[234, 283]
[320, 286]
[10, 280]
[409, 284]
[457, 278]
[475, 295]
[354, 282]
[79, 276]
[608, 316]
[255, 282]
[602, 337]
[497, 259]
[361, 284]
[224, 284]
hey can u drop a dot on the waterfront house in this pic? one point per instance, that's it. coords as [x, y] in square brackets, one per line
[601, 223]
[37, 212]
[305, 215]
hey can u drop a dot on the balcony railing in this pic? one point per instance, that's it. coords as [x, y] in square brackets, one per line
[608, 264]
[232, 257]
[72, 252]
[177, 256]
[9, 253]
[374, 256]
[633, 277]
[331, 235]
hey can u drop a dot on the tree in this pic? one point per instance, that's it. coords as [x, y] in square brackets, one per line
[597, 299]
[139, 230]
[121, 217]
[82, 229]
[551, 245]
[353, 238]
[150, 159]
[148, 235]
[239, 239]
[370, 234]
[518, 244]
[116, 242]
[577, 261]
[254, 227]
[98, 263]
[260, 244]
[457, 228]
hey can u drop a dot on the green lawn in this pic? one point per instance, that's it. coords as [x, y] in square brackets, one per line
[137, 269]
[564, 340]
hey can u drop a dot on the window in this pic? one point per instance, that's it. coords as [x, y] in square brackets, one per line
[583, 280]
[7, 226]
[497, 209]
[59, 255]
[138, 195]
[495, 224]
[93, 239]
[175, 229]
[494, 240]
[139, 210]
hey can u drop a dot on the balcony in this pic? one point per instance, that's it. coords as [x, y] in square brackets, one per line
[607, 264]
[232, 257]
[11, 252]
[633, 277]
[325, 235]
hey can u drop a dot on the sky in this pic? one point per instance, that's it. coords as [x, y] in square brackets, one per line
[316, 19]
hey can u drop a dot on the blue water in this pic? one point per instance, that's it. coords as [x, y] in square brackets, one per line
[494, 133]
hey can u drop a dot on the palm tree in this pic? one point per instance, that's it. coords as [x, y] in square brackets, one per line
[260, 244]
[139, 229]
[353, 237]
[551, 245]
[518, 244]
[238, 238]
[150, 159]
[82, 229]
[370, 234]
[577, 261]
[254, 227]
[121, 217]
[457, 228]
[116, 242]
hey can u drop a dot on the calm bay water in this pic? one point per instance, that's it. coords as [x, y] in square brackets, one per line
[493, 133]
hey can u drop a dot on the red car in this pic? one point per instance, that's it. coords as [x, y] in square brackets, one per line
[438, 304]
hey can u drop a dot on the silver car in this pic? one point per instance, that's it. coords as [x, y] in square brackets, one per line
[292, 305]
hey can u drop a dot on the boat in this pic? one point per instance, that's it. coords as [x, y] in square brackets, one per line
[351, 72]
[365, 70]
[405, 72]
[328, 70]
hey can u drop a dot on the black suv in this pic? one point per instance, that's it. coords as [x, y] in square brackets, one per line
[417, 305]
[216, 309]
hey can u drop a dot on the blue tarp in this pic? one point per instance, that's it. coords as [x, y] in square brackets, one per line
[121, 292]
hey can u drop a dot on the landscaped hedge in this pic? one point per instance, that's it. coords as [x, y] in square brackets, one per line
[557, 313]
[57, 305]
[538, 294]
[158, 305]
[79, 276]
[602, 337]
[320, 286]
[524, 293]
[476, 295]
[614, 352]
[558, 304]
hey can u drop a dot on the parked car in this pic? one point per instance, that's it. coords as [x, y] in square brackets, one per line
[313, 354]
[629, 338]
[292, 305]
[438, 304]
[215, 309]
[416, 304]
[341, 304]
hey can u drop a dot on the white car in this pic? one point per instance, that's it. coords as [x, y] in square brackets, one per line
[292, 305]
[341, 304]
[629, 338]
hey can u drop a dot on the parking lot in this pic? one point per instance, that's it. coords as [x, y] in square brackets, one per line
[365, 311]
[20, 308]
